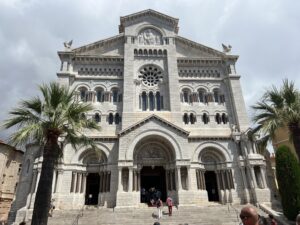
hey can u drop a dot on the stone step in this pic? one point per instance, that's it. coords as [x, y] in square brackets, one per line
[210, 215]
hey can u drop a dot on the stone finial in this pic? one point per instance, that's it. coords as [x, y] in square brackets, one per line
[226, 48]
[68, 44]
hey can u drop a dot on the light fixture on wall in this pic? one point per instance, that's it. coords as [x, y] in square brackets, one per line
[152, 166]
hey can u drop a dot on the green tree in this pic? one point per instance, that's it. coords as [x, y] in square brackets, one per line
[47, 119]
[288, 178]
[279, 108]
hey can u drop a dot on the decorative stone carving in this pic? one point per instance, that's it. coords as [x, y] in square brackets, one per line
[149, 37]
[151, 75]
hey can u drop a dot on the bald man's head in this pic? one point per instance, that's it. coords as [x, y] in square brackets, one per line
[249, 216]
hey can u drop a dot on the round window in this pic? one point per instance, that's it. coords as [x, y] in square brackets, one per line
[150, 75]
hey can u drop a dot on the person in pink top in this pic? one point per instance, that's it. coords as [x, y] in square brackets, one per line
[169, 202]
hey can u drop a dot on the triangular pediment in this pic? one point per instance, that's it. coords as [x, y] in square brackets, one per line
[153, 118]
[186, 48]
[113, 46]
[137, 17]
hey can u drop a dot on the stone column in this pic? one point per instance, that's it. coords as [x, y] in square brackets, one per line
[244, 178]
[130, 179]
[83, 183]
[138, 180]
[38, 179]
[263, 175]
[75, 182]
[107, 181]
[188, 185]
[148, 102]
[253, 176]
[171, 179]
[79, 178]
[53, 181]
[179, 185]
[59, 180]
[34, 180]
[120, 187]
[198, 179]
[103, 181]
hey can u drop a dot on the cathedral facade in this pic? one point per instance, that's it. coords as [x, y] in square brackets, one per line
[172, 117]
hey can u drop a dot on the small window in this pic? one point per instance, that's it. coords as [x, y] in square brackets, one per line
[97, 118]
[110, 118]
[151, 101]
[224, 118]
[205, 118]
[115, 95]
[144, 101]
[216, 96]
[218, 118]
[117, 118]
[185, 118]
[158, 103]
[192, 118]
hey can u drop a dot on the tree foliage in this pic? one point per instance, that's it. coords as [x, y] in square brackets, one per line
[288, 178]
[279, 108]
[52, 119]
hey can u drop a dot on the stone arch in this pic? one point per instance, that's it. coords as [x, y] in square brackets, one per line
[143, 27]
[217, 149]
[90, 156]
[186, 86]
[82, 85]
[129, 154]
[100, 86]
[82, 151]
[201, 87]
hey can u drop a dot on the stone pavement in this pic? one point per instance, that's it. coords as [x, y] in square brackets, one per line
[214, 214]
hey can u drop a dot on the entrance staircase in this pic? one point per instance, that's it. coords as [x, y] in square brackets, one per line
[214, 214]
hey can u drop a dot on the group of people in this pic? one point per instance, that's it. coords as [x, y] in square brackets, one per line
[159, 205]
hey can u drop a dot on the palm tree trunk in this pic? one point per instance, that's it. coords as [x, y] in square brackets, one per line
[44, 190]
[296, 140]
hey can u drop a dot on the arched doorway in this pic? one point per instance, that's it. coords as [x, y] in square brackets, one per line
[95, 162]
[153, 183]
[153, 155]
[211, 186]
[213, 160]
[92, 189]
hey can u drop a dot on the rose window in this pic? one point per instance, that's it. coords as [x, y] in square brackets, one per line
[150, 75]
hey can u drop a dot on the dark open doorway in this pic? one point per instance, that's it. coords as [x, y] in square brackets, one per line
[153, 177]
[92, 189]
[211, 186]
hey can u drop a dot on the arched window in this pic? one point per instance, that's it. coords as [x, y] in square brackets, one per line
[97, 118]
[218, 118]
[224, 118]
[145, 52]
[160, 52]
[201, 94]
[135, 51]
[192, 118]
[83, 94]
[222, 98]
[99, 95]
[144, 101]
[151, 101]
[216, 95]
[155, 52]
[115, 94]
[150, 52]
[185, 118]
[205, 118]
[110, 118]
[186, 95]
[140, 52]
[158, 105]
[117, 118]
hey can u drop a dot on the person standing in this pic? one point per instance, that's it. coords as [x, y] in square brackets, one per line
[272, 220]
[298, 219]
[159, 206]
[169, 202]
[249, 216]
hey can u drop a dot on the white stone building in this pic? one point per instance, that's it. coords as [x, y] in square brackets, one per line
[172, 115]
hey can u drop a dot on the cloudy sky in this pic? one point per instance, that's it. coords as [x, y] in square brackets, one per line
[266, 35]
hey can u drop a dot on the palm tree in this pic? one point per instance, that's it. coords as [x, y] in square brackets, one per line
[279, 108]
[46, 120]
